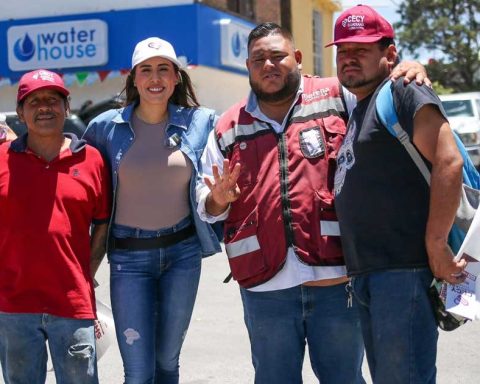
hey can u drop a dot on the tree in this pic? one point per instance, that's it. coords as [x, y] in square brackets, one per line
[449, 26]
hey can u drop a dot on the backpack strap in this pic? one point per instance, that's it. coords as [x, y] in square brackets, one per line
[388, 116]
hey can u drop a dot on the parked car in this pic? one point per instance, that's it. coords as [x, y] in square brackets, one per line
[463, 111]
[90, 110]
[73, 124]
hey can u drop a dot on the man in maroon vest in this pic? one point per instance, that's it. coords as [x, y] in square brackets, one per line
[272, 158]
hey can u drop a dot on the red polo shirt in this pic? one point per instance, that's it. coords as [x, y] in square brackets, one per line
[46, 209]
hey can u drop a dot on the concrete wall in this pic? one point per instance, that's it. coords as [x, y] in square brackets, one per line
[302, 29]
[215, 88]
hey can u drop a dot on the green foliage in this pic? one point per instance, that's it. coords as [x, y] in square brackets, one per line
[449, 26]
[441, 90]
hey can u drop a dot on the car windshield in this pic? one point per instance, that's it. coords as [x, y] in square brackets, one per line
[458, 108]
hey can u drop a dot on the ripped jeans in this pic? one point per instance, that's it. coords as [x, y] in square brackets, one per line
[23, 350]
[152, 293]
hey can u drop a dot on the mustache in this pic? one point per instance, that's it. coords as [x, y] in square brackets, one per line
[349, 66]
[44, 114]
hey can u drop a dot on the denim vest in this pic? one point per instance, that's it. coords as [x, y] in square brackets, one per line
[112, 134]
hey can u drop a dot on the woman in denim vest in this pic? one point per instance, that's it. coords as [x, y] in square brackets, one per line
[156, 238]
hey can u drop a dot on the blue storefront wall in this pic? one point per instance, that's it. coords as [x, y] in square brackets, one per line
[194, 30]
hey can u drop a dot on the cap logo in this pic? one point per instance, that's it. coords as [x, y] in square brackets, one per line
[354, 22]
[154, 45]
[44, 75]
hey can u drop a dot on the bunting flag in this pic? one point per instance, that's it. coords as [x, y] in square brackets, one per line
[103, 74]
[81, 78]
[5, 82]
[69, 79]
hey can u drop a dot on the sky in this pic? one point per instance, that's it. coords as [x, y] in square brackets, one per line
[387, 8]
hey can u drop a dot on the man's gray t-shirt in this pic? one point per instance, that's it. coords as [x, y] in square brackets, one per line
[382, 200]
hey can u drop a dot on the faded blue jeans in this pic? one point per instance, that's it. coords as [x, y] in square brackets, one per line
[152, 293]
[281, 322]
[398, 325]
[23, 349]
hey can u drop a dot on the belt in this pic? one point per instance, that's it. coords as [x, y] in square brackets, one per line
[136, 244]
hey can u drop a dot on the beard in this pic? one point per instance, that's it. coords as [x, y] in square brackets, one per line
[356, 82]
[292, 82]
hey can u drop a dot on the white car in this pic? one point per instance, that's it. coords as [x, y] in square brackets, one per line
[463, 111]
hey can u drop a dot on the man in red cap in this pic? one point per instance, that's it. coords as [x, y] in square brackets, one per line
[53, 187]
[394, 227]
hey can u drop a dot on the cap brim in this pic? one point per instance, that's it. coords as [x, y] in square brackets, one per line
[58, 88]
[176, 62]
[356, 39]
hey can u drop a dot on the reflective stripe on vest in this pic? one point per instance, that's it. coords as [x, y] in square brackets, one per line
[228, 138]
[301, 112]
[329, 228]
[319, 109]
[242, 247]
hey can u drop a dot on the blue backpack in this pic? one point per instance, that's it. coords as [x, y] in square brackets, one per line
[471, 179]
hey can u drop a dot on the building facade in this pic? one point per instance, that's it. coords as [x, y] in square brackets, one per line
[91, 42]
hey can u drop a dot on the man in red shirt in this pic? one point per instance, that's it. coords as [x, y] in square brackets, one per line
[53, 188]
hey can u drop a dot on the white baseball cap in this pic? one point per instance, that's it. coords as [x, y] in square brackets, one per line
[154, 47]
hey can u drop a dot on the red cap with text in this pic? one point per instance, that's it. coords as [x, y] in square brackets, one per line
[40, 79]
[361, 24]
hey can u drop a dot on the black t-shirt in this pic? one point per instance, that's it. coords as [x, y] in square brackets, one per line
[381, 197]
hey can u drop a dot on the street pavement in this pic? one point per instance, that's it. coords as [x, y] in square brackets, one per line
[216, 349]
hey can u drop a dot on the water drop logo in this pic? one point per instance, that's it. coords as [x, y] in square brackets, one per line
[24, 49]
[236, 44]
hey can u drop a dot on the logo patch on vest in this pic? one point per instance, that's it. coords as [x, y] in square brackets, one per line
[311, 143]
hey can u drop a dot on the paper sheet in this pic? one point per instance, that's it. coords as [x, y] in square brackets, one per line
[464, 299]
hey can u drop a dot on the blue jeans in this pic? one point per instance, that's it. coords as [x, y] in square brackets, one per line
[23, 349]
[281, 322]
[398, 325]
[152, 293]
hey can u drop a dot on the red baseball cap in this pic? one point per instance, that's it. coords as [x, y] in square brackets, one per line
[361, 24]
[40, 79]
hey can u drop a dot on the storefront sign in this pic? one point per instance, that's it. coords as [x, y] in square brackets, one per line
[68, 44]
[234, 37]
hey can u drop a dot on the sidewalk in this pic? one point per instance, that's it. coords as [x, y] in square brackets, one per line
[216, 350]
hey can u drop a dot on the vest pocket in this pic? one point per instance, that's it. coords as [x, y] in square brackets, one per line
[334, 132]
[243, 248]
[335, 129]
[326, 230]
[245, 153]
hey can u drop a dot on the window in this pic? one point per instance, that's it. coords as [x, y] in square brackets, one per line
[317, 43]
[456, 108]
[242, 7]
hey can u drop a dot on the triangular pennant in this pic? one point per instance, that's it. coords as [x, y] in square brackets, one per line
[103, 74]
[81, 77]
[69, 79]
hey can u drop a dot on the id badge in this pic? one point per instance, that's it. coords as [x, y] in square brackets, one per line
[311, 143]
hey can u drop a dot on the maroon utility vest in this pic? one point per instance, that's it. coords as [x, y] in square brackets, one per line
[286, 184]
